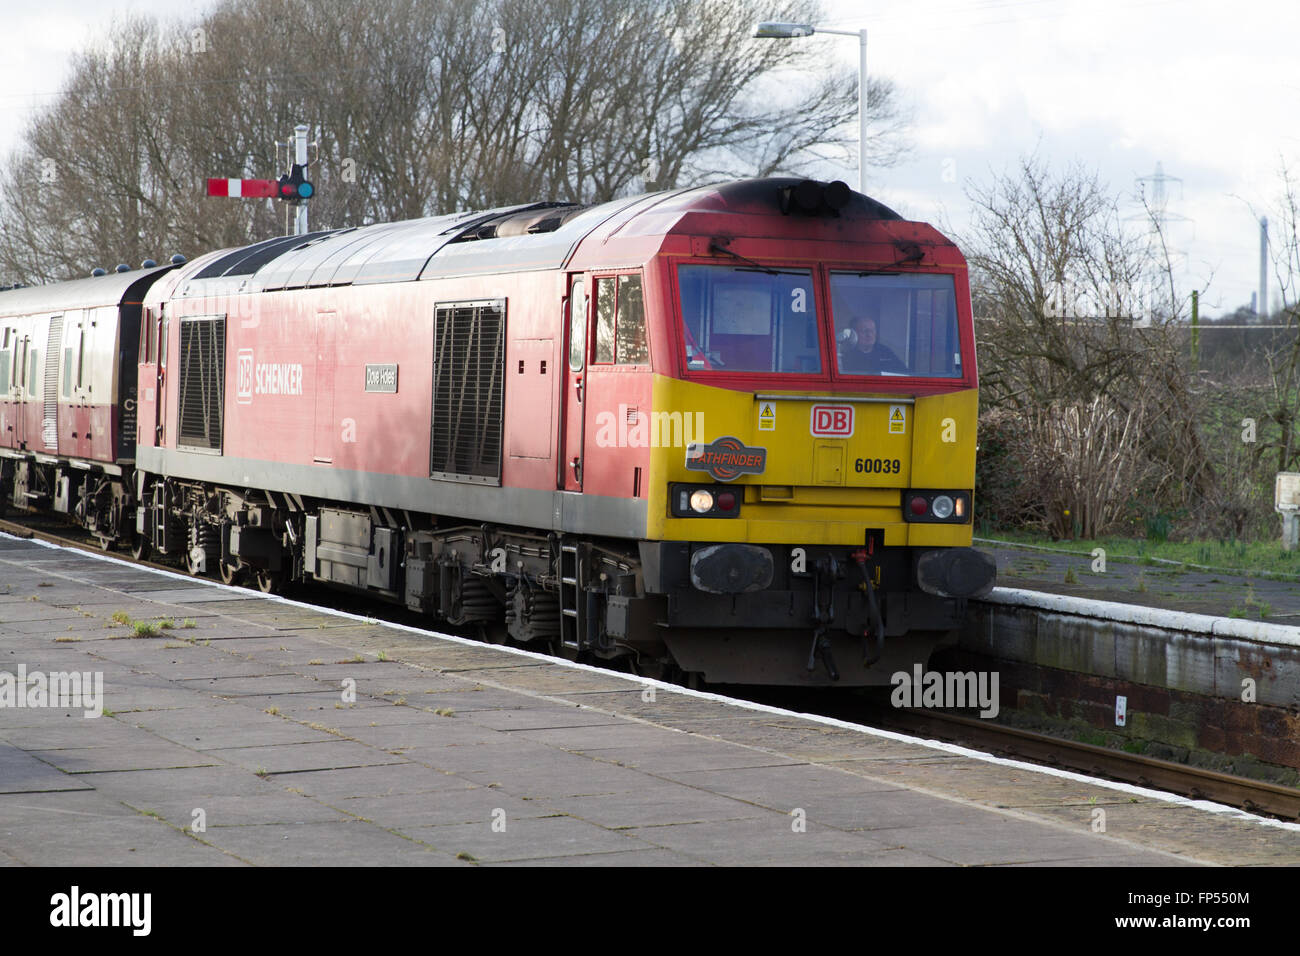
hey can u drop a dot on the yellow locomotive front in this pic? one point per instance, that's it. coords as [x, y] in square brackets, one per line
[812, 468]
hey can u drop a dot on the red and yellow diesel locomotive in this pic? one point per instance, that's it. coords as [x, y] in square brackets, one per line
[725, 431]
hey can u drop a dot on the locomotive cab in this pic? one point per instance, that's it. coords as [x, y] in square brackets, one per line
[814, 523]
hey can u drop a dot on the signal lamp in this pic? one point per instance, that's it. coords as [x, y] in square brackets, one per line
[701, 501]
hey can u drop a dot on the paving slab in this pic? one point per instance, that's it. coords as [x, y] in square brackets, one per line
[309, 738]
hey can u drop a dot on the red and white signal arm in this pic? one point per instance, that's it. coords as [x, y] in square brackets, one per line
[832, 421]
[244, 188]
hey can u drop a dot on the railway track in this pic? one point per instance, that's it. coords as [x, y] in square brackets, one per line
[1255, 796]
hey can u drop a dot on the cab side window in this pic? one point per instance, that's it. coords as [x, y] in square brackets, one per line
[620, 321]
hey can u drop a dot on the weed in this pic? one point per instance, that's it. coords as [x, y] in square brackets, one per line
[121, 617]
[462, 855]
[262, 772]
[381, 656]
[445, 712]
[1237, 612]
[166, 624]
[188, 623]
[66, 640]
[144, 629]
[316, 662]
[273, 711]
[1070, 576]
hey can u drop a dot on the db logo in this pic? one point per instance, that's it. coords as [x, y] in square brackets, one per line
[832, 420]
[244, 377]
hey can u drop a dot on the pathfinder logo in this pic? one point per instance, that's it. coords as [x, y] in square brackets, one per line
[726, 459]
[948, 689]
[103, 909]
[59, 690]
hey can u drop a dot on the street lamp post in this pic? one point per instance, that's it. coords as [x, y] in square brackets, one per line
[770, 30]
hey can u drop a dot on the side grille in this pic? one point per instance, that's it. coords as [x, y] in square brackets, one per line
[203, 382]
[49, 421]
[468, 357]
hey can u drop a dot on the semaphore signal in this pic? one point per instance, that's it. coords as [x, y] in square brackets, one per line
[293, 186]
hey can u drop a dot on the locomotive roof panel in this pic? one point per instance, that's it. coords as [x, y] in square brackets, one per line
[533, 236]
[544, 248]
[110, 289]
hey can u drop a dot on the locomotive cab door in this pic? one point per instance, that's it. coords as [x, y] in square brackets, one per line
[574, 413]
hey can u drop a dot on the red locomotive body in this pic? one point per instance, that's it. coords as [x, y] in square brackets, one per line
[654, 429]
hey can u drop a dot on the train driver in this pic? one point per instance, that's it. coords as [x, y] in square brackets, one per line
[863, 352]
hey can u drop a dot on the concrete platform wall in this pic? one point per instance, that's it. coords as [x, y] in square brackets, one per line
[1210, 690]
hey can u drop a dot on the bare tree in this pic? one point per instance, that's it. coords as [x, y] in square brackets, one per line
[419, 107]
[1081, 354]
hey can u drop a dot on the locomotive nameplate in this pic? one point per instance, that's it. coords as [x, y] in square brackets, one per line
[726, 458]
[381, 378]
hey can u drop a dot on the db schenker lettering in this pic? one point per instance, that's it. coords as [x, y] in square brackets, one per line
[277, 379]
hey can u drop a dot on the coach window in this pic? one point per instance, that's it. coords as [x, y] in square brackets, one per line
[69, 360]
[31, 373]
[81, 358]
[620, 321]
[578, 326]
[6, 358]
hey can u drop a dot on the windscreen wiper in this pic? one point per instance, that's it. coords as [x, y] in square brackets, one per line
[719, 245]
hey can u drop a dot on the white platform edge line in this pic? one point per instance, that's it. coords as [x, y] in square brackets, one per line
[1131, 789]
[1261, 632]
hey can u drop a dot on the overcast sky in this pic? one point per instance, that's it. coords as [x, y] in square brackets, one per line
[1206, 88]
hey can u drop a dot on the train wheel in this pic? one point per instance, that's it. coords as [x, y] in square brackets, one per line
[106, 544]
[139, 548]
[191, 564]
[229, 573]
[269, 582]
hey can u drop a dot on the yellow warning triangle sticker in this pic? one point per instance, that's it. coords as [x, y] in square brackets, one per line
[767, 411]
[897, 414]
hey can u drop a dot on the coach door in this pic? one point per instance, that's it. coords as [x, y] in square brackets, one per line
[153, 342]
[570, 461]
[23, 369]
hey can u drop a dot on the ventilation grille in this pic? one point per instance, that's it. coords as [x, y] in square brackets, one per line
[203, 382]
[50, 420]
[469, 341]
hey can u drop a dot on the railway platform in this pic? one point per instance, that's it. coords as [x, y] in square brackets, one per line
[238, 729]
[1154, 583]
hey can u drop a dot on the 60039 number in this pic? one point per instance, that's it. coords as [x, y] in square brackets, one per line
[877, 466]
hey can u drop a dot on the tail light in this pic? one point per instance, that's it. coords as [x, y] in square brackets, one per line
[936, 506]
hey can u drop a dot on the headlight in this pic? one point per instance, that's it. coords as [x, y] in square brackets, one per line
[701, 501]
[942, 506]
